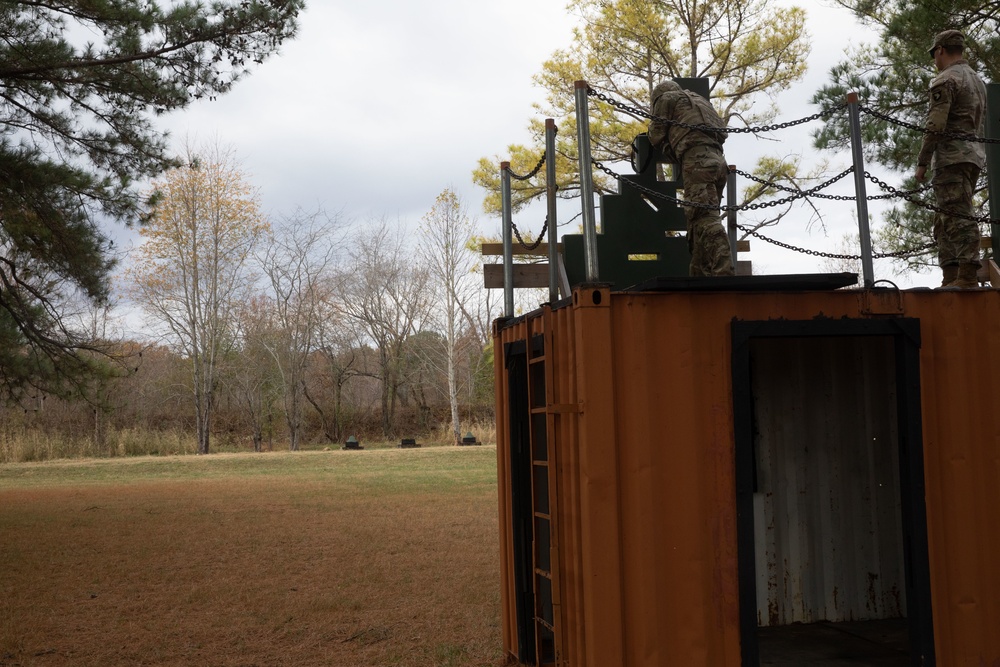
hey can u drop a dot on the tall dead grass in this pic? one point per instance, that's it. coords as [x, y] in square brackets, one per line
[23, 444]
[20, 445]
[340, 565]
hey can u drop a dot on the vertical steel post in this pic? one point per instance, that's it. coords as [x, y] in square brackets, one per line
[550, 193]
[586, 182]
[993, 162]
[508, 242]
[860, 191]
[731, 214]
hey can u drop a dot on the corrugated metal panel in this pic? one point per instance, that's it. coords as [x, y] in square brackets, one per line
[644, 511]
[829, 542]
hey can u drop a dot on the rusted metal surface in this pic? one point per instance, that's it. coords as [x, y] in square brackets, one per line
[641, 422]
[829, 543]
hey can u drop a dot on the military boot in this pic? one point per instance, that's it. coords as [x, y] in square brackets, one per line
[967, 276]
[950, 273]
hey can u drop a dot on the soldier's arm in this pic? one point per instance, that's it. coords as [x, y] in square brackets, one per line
[942, 96]
[657, 129]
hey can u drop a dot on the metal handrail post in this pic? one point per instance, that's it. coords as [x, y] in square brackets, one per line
[993, 162]
[508, 241]
[586, 182]
[550, 193]
[860, 191]
[731, 213]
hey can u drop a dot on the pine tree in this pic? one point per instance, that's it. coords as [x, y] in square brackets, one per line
[892, 77]
[80, 86]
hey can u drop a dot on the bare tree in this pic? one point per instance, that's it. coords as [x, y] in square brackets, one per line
[251, 376]
[445, 233]
[300, 255]
[385, 292]
[191, 269]
[339, 346]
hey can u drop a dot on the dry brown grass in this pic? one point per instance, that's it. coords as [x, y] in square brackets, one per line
[342, 561]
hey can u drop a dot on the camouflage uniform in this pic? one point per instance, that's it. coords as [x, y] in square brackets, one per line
[957, 105]
[703, 171]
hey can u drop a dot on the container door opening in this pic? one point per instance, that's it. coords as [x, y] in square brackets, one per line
[826, 523]
[530, 502]
[516, 358]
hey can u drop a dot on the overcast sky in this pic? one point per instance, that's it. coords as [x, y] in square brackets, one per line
[375, 108]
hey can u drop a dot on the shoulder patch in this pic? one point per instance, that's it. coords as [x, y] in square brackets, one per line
[936, 95]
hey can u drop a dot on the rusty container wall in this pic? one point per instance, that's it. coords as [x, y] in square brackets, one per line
[641, 499]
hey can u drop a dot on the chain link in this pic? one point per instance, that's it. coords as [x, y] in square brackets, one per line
[531, 174]
[911, 126]
[636, 111]
[893, 192]
[545, 225]
[709, 207]
[538, 241]
[909, 195]
[752, 232]
[813, 192]
[899, 254]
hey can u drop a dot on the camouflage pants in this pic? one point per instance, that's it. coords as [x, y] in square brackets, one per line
[957, 237]
[704, 170]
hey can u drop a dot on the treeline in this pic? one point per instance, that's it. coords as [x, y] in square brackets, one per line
[249, 334]
[148, 409]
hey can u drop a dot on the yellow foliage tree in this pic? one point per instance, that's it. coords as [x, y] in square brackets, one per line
[191, 269]
[748, 49]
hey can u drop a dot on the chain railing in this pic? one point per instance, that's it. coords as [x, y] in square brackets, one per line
[538, 239]
[803, 194]
[891, 192]
[531, 174]
[910, 196]
[751, 231]
[913, 196]
[918, 128]
[899, 254]
[642, 113]
[527, 177]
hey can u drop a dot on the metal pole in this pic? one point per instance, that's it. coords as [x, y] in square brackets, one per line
[586, 182]
[731, 214]
[550, 192]
[508, 242]
[993, 162]
[860, 191]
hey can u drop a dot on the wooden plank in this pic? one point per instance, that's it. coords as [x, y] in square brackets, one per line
[743, 245]
[986, 242]
[525, 275]
[496, 249]
[744, 267]
[994, 274]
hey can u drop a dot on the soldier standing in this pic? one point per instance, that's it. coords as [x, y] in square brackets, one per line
[703, 171]
[957, 106]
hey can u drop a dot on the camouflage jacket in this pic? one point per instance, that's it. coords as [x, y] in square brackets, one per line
[957, 104]
[686, 107]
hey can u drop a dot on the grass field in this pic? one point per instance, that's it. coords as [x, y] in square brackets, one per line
[385, 557]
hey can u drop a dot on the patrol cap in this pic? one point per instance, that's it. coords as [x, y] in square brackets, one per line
[666, 86]
[948, 38]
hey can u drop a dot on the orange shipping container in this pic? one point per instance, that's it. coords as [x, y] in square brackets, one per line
[732, 478]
